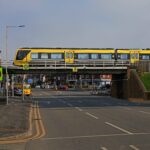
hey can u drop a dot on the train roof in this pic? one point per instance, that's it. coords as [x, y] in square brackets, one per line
[65, 48]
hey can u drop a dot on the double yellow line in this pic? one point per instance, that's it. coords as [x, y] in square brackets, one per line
[40, 130]
[36, 128]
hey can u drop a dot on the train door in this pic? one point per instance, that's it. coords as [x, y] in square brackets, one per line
[69, 56]
[134, 56]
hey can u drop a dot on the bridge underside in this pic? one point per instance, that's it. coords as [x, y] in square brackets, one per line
[109, 70]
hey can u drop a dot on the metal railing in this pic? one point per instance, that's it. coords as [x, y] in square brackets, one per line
[61, 64]
[83, 64]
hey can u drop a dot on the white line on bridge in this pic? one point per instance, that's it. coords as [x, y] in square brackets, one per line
[91, 115]
[145, 112]
[133, 147]
[121, 129]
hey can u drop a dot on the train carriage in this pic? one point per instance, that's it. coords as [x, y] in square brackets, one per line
[88, 56]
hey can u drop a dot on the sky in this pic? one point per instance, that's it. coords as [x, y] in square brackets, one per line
[74, 24]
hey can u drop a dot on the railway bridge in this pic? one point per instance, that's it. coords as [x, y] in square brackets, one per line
[120, 73]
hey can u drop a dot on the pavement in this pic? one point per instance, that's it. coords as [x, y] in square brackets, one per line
[14, 118]
[20, 123]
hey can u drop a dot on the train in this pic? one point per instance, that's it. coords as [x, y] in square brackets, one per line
[39, 56]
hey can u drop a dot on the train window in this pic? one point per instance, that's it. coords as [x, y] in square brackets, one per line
[137, 56]
[124, 56]
[44, 56]
[132, 56]
[106, 56]
[145, 57]
[83, 56]
[71, 55]
[67, 55]
[22, 54]
[94, 56]
[56, 56]
[34, 55]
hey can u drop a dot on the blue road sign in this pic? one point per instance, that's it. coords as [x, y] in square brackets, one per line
[30, 80]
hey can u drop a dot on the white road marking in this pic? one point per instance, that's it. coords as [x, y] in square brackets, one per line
[145, 112]
[78, 108]
[127, 108]
[48, 102]
[92, 136]
[121, 129]
[133, 147]
[104, 148]
[45, 93]
[69, 104]
[91, 115]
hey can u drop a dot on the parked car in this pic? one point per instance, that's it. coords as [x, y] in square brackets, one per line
[63, 87]
[17, 91]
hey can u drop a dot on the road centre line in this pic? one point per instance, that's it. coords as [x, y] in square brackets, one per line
[127, 108]
[145, 112]
[121, 129]
[69, 104]
[91, 136]
[91, 115]
[78, 108]
[133, 147]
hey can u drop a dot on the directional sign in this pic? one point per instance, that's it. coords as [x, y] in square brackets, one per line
[26, 66]
[30, 81]
[1, 73]
[75, 69]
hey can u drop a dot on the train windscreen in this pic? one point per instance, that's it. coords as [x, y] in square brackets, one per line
[22, 54]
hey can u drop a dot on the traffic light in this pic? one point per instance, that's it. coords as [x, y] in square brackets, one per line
[1, 73]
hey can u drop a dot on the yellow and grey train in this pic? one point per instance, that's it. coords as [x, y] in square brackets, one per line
[39, 55]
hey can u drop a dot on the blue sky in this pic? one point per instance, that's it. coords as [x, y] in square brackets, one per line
[75, 23]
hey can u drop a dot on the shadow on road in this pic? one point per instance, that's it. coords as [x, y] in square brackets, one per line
[86, 101]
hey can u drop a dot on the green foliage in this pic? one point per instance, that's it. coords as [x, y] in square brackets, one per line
[146, 80]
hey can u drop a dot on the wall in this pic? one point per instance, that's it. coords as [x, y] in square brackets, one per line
[129, 86]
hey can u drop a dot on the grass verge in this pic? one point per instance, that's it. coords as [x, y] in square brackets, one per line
[145, 77]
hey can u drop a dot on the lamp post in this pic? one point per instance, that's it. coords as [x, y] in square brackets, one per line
[6, 50]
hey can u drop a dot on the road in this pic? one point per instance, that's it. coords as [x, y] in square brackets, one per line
[83, 122]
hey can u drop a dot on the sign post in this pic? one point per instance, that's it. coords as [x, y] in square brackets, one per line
[1, 73]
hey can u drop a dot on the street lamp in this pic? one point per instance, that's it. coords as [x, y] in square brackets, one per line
[6, 50]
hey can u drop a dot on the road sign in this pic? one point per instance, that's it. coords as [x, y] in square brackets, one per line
[30, 81]
[1, 73]
[26, 66]
[75, 69]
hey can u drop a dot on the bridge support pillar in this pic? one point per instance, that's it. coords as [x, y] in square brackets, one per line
[119, 87]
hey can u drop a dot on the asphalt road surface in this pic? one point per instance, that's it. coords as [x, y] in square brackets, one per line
[83, 122]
